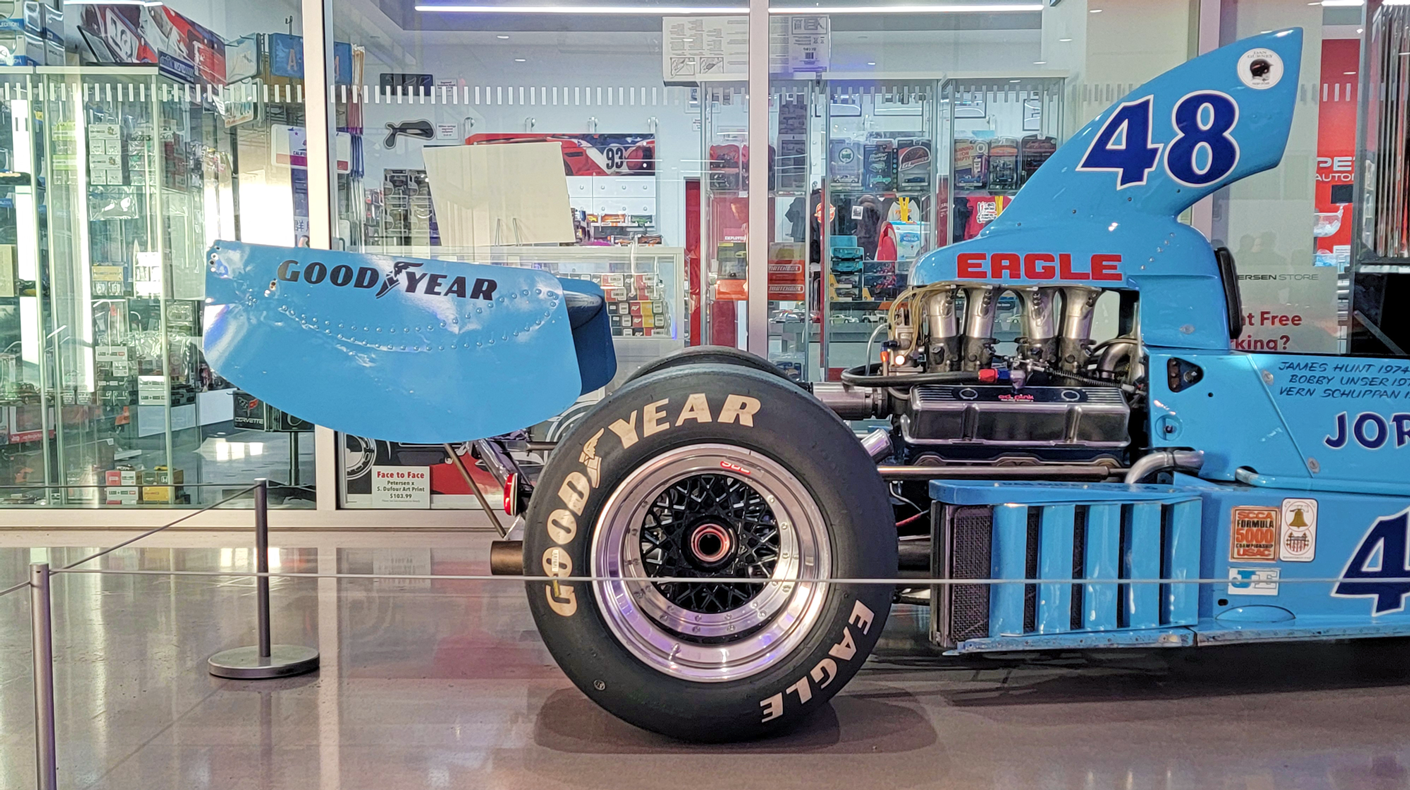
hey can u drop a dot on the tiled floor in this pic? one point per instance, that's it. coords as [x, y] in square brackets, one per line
[446, 685]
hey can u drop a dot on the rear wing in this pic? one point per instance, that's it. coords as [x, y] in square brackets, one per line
[403, 349]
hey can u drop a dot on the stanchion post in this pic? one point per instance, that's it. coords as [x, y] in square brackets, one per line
[262, 563]
[47, 762]
[263, 660]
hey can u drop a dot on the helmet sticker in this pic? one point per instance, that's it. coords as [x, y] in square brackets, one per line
[1260, 69]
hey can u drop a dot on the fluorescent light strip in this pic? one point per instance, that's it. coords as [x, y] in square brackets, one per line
[587, 9]
[1342, 3]
[910, 9]
[703, 10]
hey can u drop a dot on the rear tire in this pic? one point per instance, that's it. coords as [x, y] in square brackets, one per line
[705, 471]
[707, 355]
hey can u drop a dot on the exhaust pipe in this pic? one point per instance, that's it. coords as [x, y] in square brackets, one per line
[981, 302]
[507, 558]
[1164, 461]
[878, 444]
[1078, 303]
[943, 329]
[1040, 320]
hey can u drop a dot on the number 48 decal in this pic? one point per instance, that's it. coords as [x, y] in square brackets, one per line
[1380, 568]
[1201, 153]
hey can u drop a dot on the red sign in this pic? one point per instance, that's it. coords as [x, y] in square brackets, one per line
[1037, 266]
[1336, 150]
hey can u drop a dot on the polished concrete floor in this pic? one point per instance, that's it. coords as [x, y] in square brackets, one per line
[446, 685]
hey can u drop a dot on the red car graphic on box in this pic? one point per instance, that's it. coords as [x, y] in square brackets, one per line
[591, 154]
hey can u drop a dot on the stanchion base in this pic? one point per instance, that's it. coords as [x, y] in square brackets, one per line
[244, 663]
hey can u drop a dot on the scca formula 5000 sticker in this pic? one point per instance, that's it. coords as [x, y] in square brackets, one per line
[1253, 534]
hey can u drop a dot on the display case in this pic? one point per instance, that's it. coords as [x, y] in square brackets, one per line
[998, 132]
[116, 180]
[904, 166]
[879, 183]
[718, 286]
[794, 233]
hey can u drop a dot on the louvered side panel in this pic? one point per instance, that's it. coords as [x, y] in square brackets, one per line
[1010, 549]
[1055, 535]
[1103, 562]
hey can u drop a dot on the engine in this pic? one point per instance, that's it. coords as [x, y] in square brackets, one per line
[961, 391]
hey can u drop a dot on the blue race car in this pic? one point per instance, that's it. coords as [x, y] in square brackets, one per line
[711, 552]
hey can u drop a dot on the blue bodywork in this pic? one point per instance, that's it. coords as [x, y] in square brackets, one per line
[1306, 471]
[402, 349]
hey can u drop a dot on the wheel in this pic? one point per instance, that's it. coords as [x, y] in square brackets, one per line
[708, 355]
[710, 471]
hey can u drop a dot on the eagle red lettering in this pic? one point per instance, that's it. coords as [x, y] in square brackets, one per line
[1005, 264]
[1067, 272]
[1033, 271]
[1035, 266]
[971, 266]
[1104, 267]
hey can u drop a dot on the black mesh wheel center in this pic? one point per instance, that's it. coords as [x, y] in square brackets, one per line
[709, 499]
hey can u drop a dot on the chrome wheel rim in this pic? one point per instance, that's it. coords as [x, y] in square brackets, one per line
[710, 511]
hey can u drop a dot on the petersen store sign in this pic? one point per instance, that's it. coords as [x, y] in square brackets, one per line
[1037, 266]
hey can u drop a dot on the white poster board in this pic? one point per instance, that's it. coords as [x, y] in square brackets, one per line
[406, 487]
[704, 48]
[497, 194]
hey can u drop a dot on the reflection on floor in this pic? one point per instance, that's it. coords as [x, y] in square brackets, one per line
[446, 685]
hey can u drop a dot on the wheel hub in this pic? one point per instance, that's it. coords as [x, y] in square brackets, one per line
[709, 525]
[711, 544]
[715, 513]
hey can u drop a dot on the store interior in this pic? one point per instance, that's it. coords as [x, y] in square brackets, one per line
[916, 129]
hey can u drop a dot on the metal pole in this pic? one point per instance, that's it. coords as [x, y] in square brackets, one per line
[48, 766]
[264, 660]
[262, 562]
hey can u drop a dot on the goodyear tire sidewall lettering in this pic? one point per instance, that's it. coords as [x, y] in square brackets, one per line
[681, 407]
[565, 522]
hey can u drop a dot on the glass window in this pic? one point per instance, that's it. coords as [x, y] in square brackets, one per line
[1289, 228]
[134, 136]
[607, 143]
[916, 129]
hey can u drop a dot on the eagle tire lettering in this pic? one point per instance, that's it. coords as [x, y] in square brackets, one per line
[823, 672]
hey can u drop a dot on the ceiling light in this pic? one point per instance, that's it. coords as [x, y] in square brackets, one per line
[871, 63]
[1341, 3]
[519, 60]
[502, 38]
[1013, 80]
[1040, 63]
[1095, 11]
[980, 8]
[908, 9]
[1349, 73]
[589, 9]
[1064, 40]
